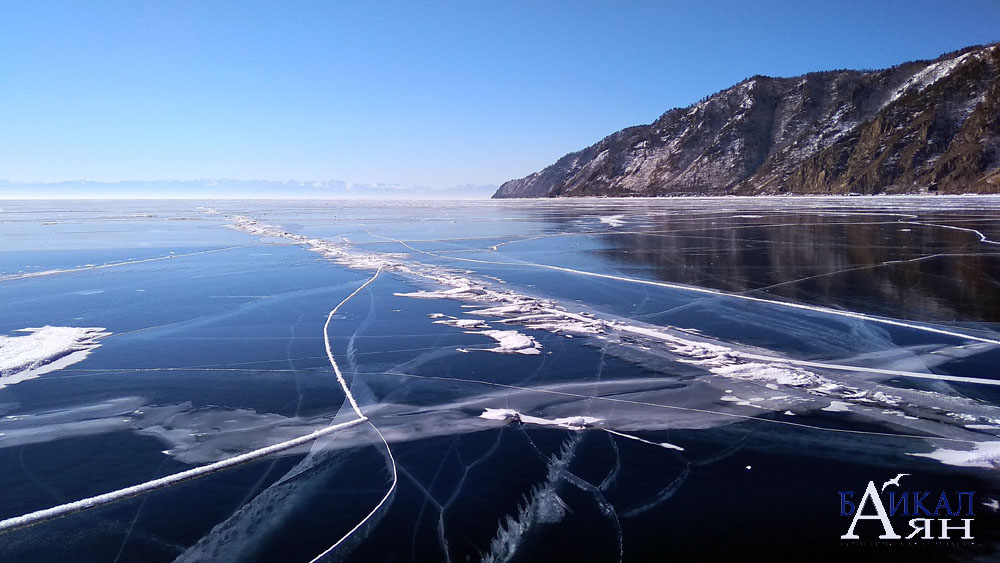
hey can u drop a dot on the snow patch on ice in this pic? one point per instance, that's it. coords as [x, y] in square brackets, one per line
[569, 422]
[43, 350]
[455, 292]
[740, 402]
[511, 342]
[463, 323]
[837, 406]
[983, 454]
[612, 220]
[771, 373]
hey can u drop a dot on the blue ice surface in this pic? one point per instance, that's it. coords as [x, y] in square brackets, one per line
[219, 350]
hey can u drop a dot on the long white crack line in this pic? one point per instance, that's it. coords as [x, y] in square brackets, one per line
[12, 277]
[44, 515]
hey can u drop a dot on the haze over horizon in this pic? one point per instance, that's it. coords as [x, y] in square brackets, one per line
[225, 188]
[442, 96]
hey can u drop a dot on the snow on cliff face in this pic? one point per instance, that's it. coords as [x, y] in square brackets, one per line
[760, 136]
[44, 349]
[929, 75]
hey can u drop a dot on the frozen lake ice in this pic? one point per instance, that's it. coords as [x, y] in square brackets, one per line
[593, 379]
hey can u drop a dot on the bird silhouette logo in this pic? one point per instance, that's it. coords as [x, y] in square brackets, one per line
[893, 481]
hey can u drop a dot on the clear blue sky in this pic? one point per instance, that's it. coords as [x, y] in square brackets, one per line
[432, 93]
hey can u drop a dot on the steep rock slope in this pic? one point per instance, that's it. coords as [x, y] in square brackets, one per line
[919, 126]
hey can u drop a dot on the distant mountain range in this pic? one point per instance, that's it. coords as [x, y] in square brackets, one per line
[236, 189]
[919, 127]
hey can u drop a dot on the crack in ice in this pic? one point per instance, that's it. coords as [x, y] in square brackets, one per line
[58, 511]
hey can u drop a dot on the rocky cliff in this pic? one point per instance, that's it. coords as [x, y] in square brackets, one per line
[925, 126]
